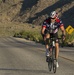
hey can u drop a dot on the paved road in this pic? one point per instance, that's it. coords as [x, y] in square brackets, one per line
[21, 57]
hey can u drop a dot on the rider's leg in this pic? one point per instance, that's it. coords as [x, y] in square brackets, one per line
[47, 44]
[57, 45]
[57, 50]
[57, 53]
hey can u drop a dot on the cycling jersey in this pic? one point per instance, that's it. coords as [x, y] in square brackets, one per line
[52, 27]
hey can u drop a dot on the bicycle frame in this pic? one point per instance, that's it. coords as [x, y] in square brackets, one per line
[52, 46]
[52, 58]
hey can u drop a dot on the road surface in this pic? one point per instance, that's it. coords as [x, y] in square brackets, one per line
[21, 57]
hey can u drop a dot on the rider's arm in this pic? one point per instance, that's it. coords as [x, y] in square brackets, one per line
[42, 30]
[61, 25]
[63, 30]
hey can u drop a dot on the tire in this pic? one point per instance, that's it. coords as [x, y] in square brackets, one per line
[54, 68]
[54, 60]
[50, 64]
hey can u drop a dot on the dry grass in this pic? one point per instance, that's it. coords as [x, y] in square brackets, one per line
[9, 29]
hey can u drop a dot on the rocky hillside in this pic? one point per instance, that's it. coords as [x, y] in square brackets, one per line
[35, 11]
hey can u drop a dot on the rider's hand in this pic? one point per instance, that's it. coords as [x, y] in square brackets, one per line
[63, 37]
[44, 37]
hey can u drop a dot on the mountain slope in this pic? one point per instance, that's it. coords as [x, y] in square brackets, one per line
[35, 11]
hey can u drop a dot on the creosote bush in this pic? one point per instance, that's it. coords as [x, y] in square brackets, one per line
[36, 36]
[30, 35]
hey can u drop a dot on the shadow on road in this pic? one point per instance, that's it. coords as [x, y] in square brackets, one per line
[26, 70]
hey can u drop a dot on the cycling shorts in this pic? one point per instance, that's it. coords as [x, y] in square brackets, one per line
[51, 36]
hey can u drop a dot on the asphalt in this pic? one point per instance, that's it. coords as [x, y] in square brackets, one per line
[23, 57]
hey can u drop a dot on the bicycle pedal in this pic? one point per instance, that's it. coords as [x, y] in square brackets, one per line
[47, 59]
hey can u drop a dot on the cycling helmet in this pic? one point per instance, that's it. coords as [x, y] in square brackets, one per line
[53, 14]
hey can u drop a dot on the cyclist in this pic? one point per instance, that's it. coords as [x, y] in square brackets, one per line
[50, 27]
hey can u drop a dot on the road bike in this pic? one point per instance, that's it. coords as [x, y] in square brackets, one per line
[52, 58]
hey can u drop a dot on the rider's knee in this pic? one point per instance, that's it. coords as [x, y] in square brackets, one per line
[47, 35]
[57, 45]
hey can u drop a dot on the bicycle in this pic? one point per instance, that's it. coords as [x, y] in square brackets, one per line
[52, 58]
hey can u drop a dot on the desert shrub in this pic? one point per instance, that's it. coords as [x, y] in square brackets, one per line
[30, 35]
[36, 36]
[69, 37]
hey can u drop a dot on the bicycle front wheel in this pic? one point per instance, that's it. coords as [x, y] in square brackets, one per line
[50, 64]
[54, 68]
[54, 59]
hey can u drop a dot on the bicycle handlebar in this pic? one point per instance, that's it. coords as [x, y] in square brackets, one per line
[62, 41]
